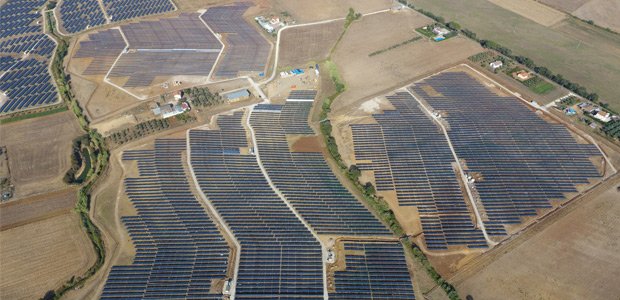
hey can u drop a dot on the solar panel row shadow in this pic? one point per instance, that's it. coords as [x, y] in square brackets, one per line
[304, 178]
[246, 48]
[279, 257]
[409, 155]
[375, 271]
[179, 249]
[524, 161]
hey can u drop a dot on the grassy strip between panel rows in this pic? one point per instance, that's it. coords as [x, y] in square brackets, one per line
[367, 190]
[99, 156]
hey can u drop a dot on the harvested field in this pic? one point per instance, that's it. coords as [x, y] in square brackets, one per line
[304, 11]
[299, 45]
[575, 257]
[40, 256]
[39, 152]
[572, 48]
[565, 5]
[366, 76]
[539, 13]
[17, 213]
[603, 12]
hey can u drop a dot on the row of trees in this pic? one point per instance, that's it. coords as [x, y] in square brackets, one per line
[543, 71]
[98, 154]
[139, 130]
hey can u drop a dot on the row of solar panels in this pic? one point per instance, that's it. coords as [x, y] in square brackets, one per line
[304, 178]
[524, 161]
[409, 155]
[247, 49]
[25, 52]
[180, 252]
[79, 15]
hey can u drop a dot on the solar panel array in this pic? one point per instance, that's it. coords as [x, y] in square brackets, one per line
[375, 270]
[279, 257]
[304, 178]
[246, 49]
[78, 15]
[524, 161]
[181, 45]
[104, 47]
[179, 249]
[25, 52]
[119, 10]
[183, 32]
[409, 155]
[143, 67]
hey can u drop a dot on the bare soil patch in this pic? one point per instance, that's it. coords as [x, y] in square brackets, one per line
[41, 256]
[575, 257]
[299, 45]
[39, 152]
[306, 144]
[367, 76]
[17, 213]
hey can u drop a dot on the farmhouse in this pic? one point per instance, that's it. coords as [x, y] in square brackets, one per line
[169, 110]
[496, 64]
[523, 75]
[603, 116]
[440, 31]
[237, 96]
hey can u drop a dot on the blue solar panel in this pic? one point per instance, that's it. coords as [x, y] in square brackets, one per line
[179, 249]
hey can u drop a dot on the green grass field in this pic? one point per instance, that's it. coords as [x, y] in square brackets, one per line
[583, 54]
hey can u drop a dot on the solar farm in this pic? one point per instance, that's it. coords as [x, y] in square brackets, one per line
[246, 49]
[517, 164]
[25, 53]
[78, 15]
[198, 154]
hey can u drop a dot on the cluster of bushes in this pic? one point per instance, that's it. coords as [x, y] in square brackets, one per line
[139, 130]
[202, 97]
[612, 129]
[543, 71]
[351, 16]
[80, 155]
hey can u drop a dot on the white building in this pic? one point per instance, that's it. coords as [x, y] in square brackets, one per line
[496, 64]
[603, 116]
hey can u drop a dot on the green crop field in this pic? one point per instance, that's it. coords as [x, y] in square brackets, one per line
[583, 54]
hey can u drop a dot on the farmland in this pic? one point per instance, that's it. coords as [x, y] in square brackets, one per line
[38, 167]
[575, 257]
[311, 11]
[40, 256]
[395, 67]
[580, 52]
[17, 213]
[602, 12]
[306, 44]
